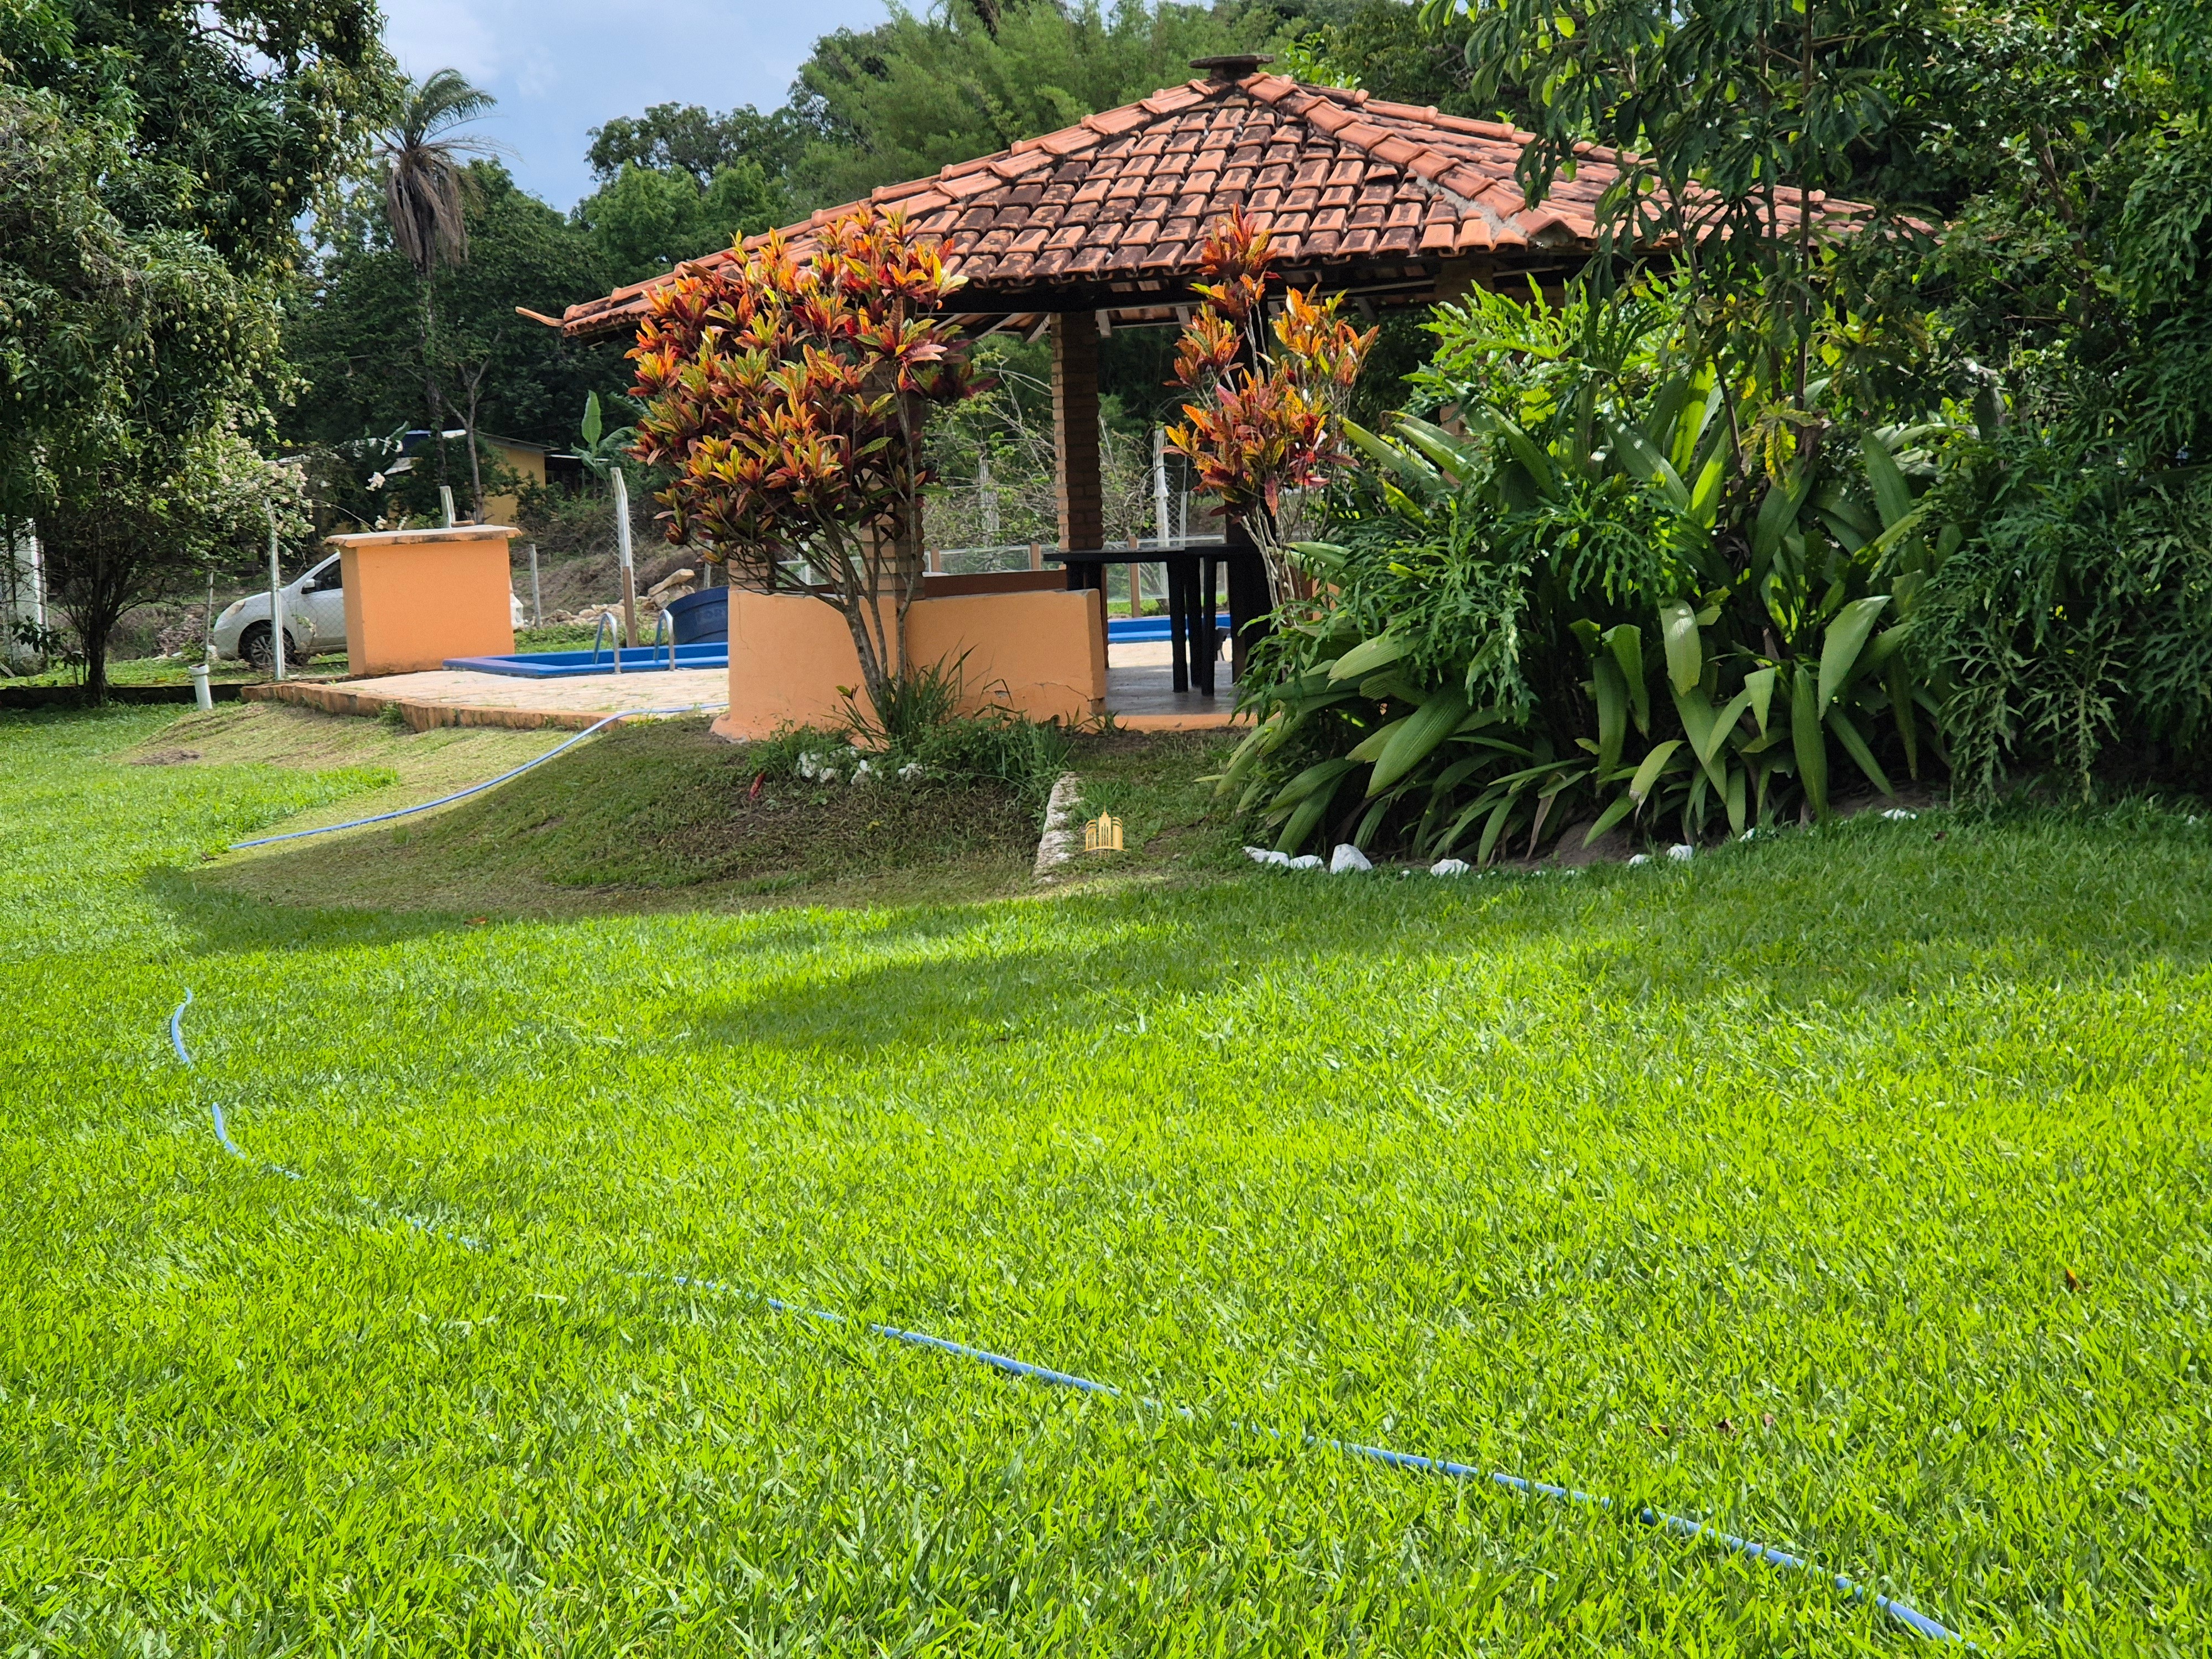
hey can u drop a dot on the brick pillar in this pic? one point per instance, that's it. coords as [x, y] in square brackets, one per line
[1075, 429]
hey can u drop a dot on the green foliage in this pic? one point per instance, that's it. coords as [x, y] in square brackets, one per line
[1386, 48]
[687, 138]
[351, 329]
[2074, 624]
[644, 220]
[151, 166]
[923, 90]
[915, 720]
[1749, 1191]
[1589, 606]
[232, 129]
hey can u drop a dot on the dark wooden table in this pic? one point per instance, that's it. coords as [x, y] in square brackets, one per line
[1194, 571]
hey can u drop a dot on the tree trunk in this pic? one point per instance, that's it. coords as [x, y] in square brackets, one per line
[94, 571]
[428, 315]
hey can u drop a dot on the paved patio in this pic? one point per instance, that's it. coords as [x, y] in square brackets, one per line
[1141, 696]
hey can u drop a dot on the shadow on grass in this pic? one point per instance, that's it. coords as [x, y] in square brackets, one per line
[1830, 922]
[220, 921]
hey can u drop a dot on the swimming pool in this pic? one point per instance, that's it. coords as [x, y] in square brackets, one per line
[569, 664]
[714, 653]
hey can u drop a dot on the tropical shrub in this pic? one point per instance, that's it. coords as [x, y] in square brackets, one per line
[1264, 431]
[1594, 595]
[786, 400]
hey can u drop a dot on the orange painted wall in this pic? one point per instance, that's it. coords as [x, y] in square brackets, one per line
[1041, 652]
[414, 598]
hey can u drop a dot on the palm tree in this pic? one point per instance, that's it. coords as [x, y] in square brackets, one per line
[426, 191]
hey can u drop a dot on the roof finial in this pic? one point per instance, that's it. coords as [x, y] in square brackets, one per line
[1231, 67]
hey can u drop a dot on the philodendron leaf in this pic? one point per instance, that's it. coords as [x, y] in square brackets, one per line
[1627, 644]
[1847, 733]
[1777, 514]
[1648, 465]
[1616, 809]
[1368, 656]
[1892, 494]
[1846, 637]
[1370, 747]
[1759, 686]
[1805, 733]
[1303, 821]
[1416, 737]
[1647, 774]
[1705, 499]
[1686, 651]
[1707, 733]
[1612, 694]
[1314, 777]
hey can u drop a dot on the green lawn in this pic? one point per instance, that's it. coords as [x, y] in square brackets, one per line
[1750, 1189]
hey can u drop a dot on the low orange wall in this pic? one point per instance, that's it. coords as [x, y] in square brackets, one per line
[414, 598]
[1041, 652]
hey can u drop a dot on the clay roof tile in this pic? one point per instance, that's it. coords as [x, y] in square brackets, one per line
[1339, 175]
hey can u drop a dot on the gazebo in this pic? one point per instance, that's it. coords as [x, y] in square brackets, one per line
[1098, 227]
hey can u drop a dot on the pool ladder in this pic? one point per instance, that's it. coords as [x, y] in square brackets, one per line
[661, 626]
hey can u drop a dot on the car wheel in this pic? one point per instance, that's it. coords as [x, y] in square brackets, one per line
[253, 646]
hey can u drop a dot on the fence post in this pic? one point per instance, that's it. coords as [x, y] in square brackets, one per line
[536, 600]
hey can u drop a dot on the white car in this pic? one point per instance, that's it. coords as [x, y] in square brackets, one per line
[314, 618]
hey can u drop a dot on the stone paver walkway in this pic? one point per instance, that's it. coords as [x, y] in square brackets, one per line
[448, 696]
[1139, 694]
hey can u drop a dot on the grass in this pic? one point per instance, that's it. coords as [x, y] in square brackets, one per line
[178, 672]
[560, 636]
[1850, 1191]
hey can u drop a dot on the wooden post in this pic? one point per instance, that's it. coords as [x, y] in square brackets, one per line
[1075, 430]
[1075, 439]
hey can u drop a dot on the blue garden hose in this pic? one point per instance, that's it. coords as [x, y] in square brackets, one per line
[1917, 1622]
[475, 788]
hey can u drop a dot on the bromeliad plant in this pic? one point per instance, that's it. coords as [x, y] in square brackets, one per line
[1582, 607]
[1266, 426]
[787, 397]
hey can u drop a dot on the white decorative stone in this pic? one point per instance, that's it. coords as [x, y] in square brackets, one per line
[1267, 856]
[1347, 858]
[1307, 861]
[1640, 858]
[1900, 814]
[1451, 867]
[1681, 852]
[1062, 839]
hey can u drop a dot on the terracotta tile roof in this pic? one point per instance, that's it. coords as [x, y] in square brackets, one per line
[1115, 209]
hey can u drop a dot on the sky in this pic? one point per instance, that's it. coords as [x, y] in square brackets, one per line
[560, 68]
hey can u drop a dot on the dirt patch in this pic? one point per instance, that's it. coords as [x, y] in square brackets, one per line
[166, 758]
